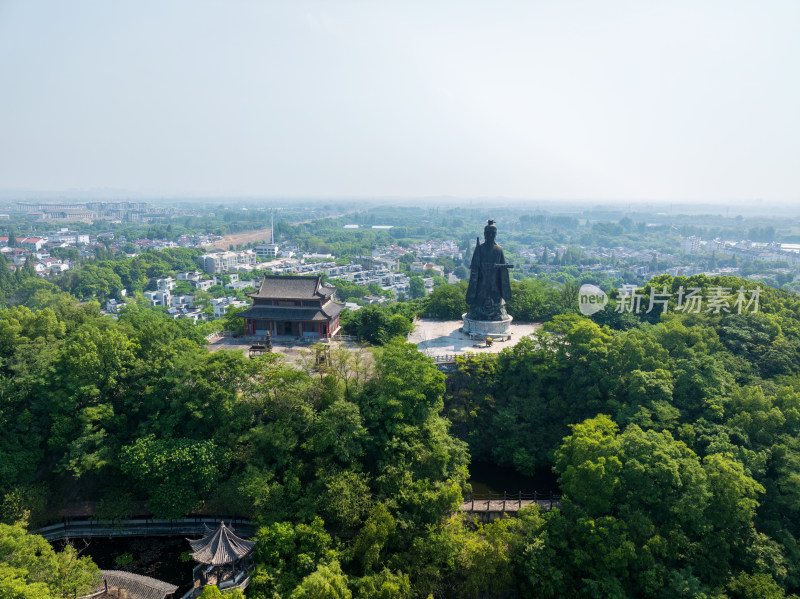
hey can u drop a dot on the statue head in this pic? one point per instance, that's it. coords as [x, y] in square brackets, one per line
[490, 232]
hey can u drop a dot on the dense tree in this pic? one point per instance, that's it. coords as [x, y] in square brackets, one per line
[289, 554]
[376, 323]
[532, 300]
[416, 287]
[178, 472]
[31, 569]
[675, 438]
[93, 281]
[326, 582]
[446, 302]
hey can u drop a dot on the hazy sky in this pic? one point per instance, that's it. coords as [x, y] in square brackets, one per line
[680, 101]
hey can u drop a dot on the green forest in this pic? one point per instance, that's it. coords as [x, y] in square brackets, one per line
[674, 438]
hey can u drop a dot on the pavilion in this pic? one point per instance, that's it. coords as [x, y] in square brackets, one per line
[223, 559]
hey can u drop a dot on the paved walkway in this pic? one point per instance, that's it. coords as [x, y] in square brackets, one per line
[509, 506]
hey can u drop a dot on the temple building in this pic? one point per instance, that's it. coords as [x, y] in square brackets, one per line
[295, 306]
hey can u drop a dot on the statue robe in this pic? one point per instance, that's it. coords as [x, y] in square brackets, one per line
[487, 283]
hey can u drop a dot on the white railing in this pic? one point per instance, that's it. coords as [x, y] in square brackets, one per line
[344, 338]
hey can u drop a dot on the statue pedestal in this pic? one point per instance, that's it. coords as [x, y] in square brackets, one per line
[481, 329]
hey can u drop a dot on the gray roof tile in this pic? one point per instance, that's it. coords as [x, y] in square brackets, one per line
[220, 547]
[326, 312]
[293, 287]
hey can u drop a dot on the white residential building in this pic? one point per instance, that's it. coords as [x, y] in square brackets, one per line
[266, 250]
[690, 244]
[113, 306]
[58, 268]
[241, 285]
[194, 314]
[225, 261]
[166, 284]
[222, 304]
[158, 298]
[182, 301]
[190, 275]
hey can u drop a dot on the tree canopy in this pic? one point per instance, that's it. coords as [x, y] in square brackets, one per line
[674, 438]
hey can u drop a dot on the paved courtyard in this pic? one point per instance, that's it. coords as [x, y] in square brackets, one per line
[441, 337]
[432, 337]
[294, 351]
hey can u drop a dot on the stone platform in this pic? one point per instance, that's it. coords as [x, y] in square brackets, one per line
[438, 337]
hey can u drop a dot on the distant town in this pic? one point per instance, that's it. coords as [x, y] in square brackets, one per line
[375, 259]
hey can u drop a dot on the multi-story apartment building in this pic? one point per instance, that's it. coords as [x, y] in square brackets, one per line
[266, 251]
[225, 261]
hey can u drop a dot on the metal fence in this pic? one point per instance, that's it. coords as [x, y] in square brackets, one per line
[142, 527]
[444, 358]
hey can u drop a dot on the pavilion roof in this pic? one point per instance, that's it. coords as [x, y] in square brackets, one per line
[220, 547]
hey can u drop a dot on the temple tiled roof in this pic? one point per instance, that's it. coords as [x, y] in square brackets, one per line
[322, 314]
[293, 287]
[134, 586]
[220, 547]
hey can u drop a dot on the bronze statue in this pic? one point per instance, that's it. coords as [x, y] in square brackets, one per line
[489, 285]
